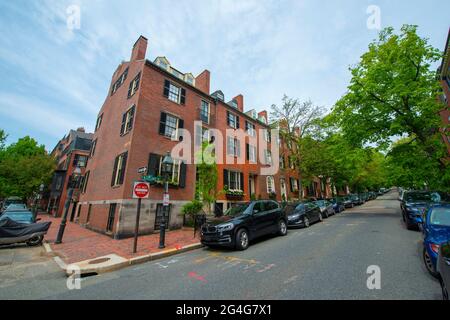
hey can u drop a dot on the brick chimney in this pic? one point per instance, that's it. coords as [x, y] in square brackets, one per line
[240, 102]
[202, 81]
[139, 49]
[263, 114]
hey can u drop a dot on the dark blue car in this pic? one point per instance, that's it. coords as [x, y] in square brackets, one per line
[436, 230]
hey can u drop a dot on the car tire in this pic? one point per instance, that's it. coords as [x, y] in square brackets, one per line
[282, 228]
[409, 225]
[35, 241]
[306, 222]
[325, 215]
[242, 239]
[444, 289]
[429, 264]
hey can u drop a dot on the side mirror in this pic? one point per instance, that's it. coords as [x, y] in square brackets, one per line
[255, 211]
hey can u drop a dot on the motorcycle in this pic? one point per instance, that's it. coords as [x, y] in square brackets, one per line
[32, 234]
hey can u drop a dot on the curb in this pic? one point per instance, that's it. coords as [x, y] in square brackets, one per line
[67, 268]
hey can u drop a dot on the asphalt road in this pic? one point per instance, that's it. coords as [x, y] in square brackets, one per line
[329, 260]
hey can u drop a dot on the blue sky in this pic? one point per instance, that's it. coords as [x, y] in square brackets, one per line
[54, 78]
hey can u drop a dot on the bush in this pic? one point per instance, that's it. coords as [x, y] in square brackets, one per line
[192, 208]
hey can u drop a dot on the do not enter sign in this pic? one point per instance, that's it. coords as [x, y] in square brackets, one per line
[141, 190]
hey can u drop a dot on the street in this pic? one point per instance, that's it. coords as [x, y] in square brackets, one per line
[329, 260]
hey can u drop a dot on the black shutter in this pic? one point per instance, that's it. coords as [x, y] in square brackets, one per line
[130, 124]
[114, 171]
[246, 125]
[225, 177]
[182, 180]
[162, 123]
[122, 127]
[153, 165]
[183, 96]
[247, 151]
[122, 169]
[180, 126]
[237, 122]
[228, 118]
[291, 184]
[166, 88]
[242, 181]
[130, 88]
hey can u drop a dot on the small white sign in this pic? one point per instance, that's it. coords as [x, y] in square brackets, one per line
[166, 199]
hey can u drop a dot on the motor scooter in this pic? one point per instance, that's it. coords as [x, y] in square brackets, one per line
[12, 232]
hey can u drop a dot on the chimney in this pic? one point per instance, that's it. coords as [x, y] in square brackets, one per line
[81, 129]
[240, 102]
[202, 81]
[139, 49]
[264, 115]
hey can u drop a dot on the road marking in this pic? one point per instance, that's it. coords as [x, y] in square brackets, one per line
[291, 279]
[195, 276]
[268, 267]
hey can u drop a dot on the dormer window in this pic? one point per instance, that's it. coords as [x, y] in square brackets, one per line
[234, 104]
[189, 79]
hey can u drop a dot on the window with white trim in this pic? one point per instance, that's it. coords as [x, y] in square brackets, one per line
[268, 156]
[204, 111]
[252, 153]
[250, 127]
[234, 180]
[134, 85]
[270, 184]
[233, 146]
[171, 126]
[174, 176]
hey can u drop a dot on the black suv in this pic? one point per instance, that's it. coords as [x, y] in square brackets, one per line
[242, 223]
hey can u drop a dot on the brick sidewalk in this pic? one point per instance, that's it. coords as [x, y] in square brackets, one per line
[81, 244]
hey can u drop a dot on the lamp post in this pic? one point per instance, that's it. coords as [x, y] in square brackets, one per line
[72, 185]
[38, 196]
[167, 166]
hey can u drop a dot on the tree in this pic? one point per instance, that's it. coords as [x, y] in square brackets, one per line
[24, 166]
[296, 120]
[392, 93]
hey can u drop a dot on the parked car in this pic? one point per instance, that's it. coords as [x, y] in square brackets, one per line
[372, 195]
[15, 206]
[21, 216]
[302, 214]
[326, 208]
[413, 206]
[348, 203]
[338, 204]
[242, 223]
[356, 199]
[443, 267]
[10, 200]
[436, 230]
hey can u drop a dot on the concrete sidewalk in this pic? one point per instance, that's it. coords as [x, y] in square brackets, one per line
[93, 252]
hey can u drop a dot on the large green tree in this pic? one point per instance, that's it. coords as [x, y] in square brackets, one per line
[392, 93]
[24, 166]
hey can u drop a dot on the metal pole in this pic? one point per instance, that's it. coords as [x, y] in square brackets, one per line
[64, 218]
[162, 225]
[136, 228]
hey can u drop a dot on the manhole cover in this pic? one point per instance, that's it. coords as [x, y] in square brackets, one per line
[101, 260]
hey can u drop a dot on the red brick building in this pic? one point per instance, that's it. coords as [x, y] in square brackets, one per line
[444, 78]
[70, 152]
[152, 108]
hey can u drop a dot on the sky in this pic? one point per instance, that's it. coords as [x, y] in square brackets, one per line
[56, 69]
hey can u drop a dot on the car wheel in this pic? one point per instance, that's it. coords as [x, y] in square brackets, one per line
[429, 264]
[444, 289]
[242, 239]
[35, 241]
[306, 222]
[320, 217]
[325, 215]
[409, 225]
[282, 228]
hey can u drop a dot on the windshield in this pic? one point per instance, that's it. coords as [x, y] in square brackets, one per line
[18, 216]
[418, 196]
[289, 209]
[238, 210]
[321, 203]
[440, 216]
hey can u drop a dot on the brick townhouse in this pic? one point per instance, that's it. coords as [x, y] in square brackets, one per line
[70, 152]
[148, 105]
[444, 78]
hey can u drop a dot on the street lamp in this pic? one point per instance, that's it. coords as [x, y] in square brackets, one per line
[72, 185]
[38, 197]
[166, 167]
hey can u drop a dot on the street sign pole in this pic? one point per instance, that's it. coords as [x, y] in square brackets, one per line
[136, 228]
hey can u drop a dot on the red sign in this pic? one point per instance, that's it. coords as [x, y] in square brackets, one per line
[141, 190]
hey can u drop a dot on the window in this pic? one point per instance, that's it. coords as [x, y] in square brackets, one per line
[119, 169]
[178, 174]
[99, 122]
[169, 125]
[233, 146]
[282, 162]
[294, 184]
[234, 104]
[58, 183]
[134, 85]
[93, 146]
[251, 153]
[204, 111]
[270, 184]
[234, 180]
[85, 182]
[174, 93]
[111, 216]
[291, 163]
[268, 156]
[119, 81]
[250, 128]
[127, 121]
[80, 161]
[266, 135]
[232, 120]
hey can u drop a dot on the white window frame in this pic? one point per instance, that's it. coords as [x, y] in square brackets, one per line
[118, 170]
[203, 103]
[175, 174]
[234, 117]
[268, 157]
[237, 180]
[270, 184]
[175, 132]
[174, 95]
[252, 153]
[233, 146]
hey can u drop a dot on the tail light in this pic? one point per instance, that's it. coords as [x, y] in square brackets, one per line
[434, 247]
